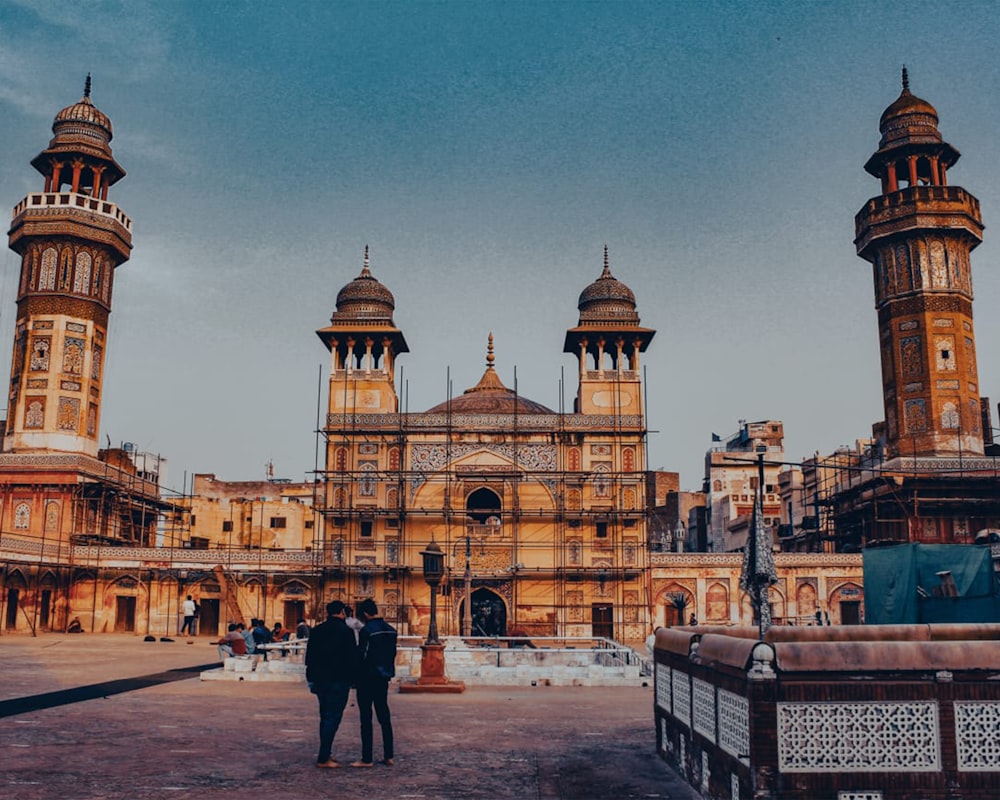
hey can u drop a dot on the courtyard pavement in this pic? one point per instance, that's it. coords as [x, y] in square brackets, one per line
[174, 736]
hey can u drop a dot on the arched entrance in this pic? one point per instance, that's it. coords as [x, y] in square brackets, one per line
[489, 614]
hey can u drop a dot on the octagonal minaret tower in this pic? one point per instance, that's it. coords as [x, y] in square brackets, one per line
[70, 239]
[918, 234]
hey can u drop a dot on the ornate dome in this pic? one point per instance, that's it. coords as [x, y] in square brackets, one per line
[908, 119]
[365, 298]
[607, 299]
[83, 118]
[490, 396]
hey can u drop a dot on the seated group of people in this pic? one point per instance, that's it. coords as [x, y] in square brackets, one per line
[240, 640]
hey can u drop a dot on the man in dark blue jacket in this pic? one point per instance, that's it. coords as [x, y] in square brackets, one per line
[377, 642]
[331, 668]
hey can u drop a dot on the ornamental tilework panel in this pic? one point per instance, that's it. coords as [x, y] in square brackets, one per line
[858, 737]
[977, 736]
[915, 416]
[944, 353]
[631, 611]
[681, 689]
[734, 725]
[40, 347]
[663, 687]
[22, 517]
[434, 457]
[574, 605]
[34, 413]
[73, 356]
[704, 708]
[910, 355]
[68, 417]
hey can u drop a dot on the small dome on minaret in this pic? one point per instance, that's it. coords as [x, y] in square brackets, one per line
[81, 129]
[364, 298]
[908, 119]
[607, 300]
[84, 116]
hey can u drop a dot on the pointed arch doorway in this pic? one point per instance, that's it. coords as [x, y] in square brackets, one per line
[489, 613]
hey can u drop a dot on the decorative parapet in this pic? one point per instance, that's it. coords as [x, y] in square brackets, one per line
[34, 550]
[781, 560]
[69, 200]
[77, 462]
[506, 422]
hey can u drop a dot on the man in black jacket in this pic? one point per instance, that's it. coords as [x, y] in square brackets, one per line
[331, 668]
[378, 666]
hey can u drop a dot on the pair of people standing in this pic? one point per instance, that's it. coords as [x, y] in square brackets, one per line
[335, 661]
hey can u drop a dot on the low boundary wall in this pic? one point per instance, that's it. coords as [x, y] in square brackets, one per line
[833, 713]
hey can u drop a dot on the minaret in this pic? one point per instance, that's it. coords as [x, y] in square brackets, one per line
[70, 239]
[918, 234]
[363, 342]
[607, 342]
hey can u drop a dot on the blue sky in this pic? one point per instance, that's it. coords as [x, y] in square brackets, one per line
[487, 152]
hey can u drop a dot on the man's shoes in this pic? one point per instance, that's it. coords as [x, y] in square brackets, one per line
[329, 764]
[388, 762]
[366, 764]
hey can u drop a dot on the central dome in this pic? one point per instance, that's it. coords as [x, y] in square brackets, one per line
[490, 396]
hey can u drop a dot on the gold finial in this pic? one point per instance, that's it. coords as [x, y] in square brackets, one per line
[607, 264]
[906, 79]
[365, 270]
[86, 86]
[489, 352]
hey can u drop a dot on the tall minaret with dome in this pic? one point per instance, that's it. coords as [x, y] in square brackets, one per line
[918, 234]
[607, 341]
[70, 238]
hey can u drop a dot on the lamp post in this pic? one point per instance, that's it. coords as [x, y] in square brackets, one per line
[432, 677]
[433, 558]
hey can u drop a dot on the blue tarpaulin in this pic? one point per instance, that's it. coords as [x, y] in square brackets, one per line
[908, 584]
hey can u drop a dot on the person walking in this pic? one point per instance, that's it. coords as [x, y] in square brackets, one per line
[189, 609]
[378, 667]
[331, 668]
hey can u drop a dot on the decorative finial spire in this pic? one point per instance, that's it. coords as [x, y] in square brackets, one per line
[365, 270]
[906, 79]
[607, 264]
[86, 86]
[489, 352]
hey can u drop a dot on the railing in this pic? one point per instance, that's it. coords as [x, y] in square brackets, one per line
[73, 200]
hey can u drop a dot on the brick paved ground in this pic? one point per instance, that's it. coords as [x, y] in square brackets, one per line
[197, 739]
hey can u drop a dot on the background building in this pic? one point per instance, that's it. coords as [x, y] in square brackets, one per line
[731, 482]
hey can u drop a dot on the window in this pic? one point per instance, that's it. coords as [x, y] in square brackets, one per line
[392, 522]
[227, 526]
[278, 522]
[601, 530]
[366, 528]
[308, 524]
